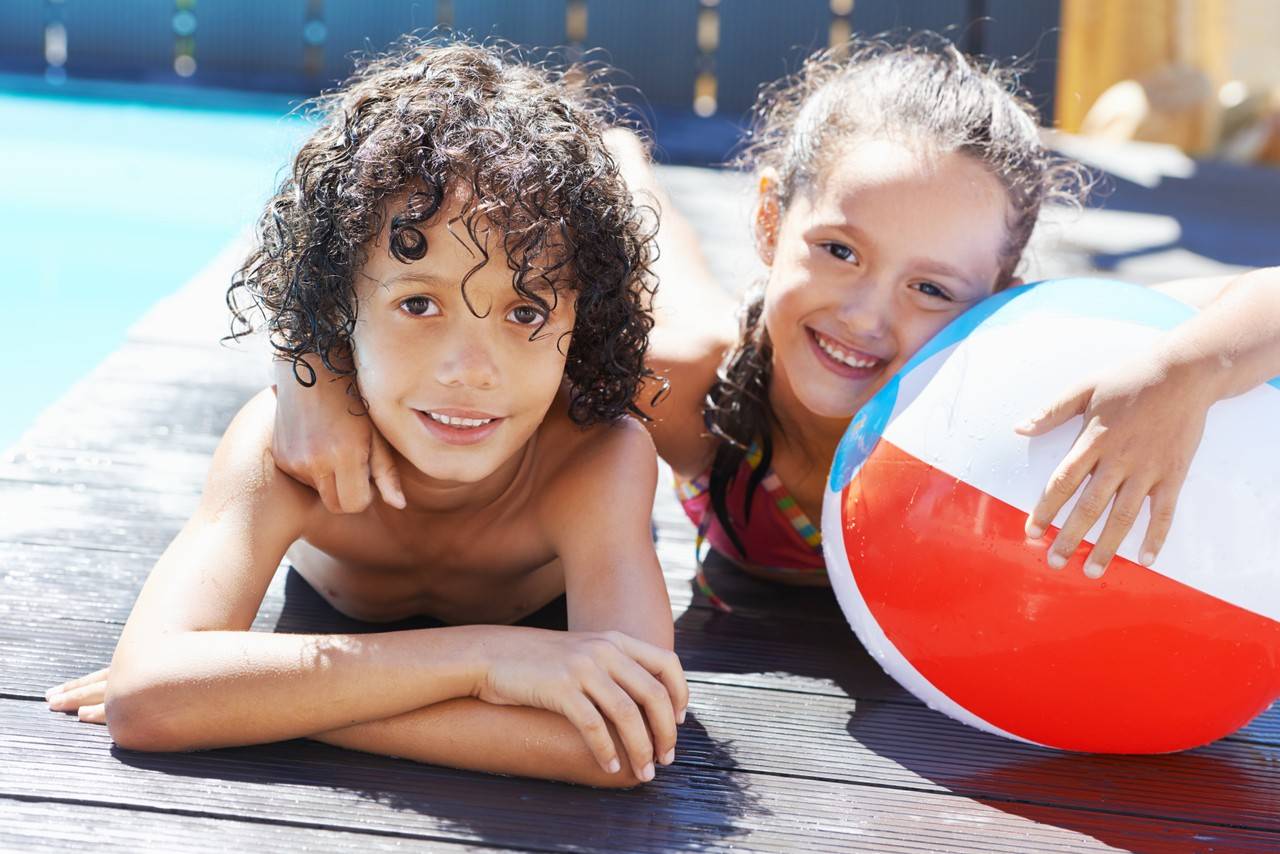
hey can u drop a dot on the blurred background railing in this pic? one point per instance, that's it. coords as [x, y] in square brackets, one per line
[697, 63]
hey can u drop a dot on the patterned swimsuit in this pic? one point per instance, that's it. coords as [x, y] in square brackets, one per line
[780, 539]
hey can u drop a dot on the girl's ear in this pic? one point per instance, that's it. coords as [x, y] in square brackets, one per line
[767, 217]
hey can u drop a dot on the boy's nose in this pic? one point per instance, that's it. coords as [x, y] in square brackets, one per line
[469, 365]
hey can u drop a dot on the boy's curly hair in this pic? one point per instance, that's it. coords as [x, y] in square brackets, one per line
[521, 145]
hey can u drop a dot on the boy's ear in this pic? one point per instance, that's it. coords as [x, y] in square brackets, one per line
[767, 217]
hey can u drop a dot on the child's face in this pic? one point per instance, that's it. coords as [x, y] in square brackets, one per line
[455, 393]
[869, 265]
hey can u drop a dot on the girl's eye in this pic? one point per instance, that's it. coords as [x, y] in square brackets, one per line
[526, 315]
[840, 251]
[419, 306]
[932, 290]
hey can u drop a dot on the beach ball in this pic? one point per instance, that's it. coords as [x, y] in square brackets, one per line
[923, 530]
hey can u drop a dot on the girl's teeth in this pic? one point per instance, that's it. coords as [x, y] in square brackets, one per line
[842, 357]
[459, 422]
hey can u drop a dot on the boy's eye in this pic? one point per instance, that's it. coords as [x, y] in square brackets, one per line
[932, 290]
[840, 251]
[526, 315]
[419, 306]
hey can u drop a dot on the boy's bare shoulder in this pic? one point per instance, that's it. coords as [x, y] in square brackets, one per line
[602, 459]
[243, 471]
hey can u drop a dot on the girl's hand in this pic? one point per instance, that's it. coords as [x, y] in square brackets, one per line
[86, 695]
[318, 441]
[1142, 425]
[593, 679]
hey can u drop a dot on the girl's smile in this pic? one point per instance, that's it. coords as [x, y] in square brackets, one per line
[855, 285]
[843, 359]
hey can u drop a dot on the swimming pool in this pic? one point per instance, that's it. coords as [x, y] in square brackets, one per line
[108, 204]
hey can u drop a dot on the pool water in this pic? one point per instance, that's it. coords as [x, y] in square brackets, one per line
[107, 205]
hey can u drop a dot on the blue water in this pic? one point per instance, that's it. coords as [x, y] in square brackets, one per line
[106, 206]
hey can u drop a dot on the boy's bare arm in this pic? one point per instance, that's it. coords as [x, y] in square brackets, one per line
[478, 736]
[598, 513]
[187, 639]
[187, 673]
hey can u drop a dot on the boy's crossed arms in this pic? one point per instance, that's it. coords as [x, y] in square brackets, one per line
[188, 674]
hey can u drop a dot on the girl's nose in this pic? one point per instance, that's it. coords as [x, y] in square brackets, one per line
[468, 364]
[867, 313]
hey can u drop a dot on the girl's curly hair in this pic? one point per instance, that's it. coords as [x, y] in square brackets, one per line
[924, 91]
[521, 144]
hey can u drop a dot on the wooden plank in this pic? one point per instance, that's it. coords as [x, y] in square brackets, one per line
[59, 826]
[64, 608]
[59, 593]
[899, 744]
[686, 807]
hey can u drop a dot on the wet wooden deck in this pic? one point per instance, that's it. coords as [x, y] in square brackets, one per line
[795, 739]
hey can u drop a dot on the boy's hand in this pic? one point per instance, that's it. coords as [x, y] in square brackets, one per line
[86, 695]
[1142, 425]
[318, 441]
[593, 679]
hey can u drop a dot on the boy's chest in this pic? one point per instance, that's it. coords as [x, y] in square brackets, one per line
[487, 570]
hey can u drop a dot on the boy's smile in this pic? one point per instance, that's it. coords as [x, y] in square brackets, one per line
[459, 426]
[457, 383]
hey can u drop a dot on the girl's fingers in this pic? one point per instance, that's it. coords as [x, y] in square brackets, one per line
[382, 468]
[586, 718]
[1089, 508]
[354, 491]
[95, 676]
[1057, 413]
[622, 712]
[1063, 483]
[1124, 512]
[95, 714]
[327, 489]
[83, 695]
[652, 696]
[1164, 500]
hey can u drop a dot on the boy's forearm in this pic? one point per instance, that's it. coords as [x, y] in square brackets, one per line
[478, 736]
[1234, 343]
[198, 690]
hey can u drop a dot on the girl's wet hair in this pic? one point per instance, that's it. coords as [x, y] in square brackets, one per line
[923, 92]
[520, 144]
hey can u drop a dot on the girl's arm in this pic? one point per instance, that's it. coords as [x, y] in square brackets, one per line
[187, 674]
[1143, 421]
[691, 308]
[694, 320]
[323, 440]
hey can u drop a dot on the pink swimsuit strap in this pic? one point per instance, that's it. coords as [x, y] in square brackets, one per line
[780, 538]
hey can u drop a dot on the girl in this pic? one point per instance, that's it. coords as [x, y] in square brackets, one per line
[897, 187]
[456, 234]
